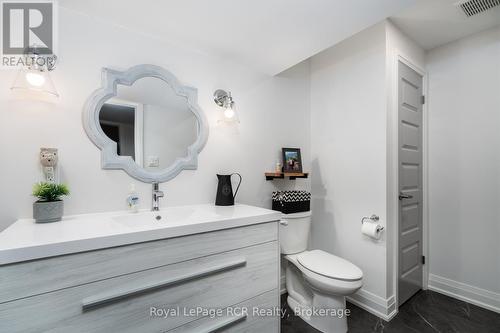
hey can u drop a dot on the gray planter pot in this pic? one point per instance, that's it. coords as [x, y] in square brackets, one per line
[48, 211]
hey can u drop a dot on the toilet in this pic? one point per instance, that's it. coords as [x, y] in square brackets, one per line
[317, 282]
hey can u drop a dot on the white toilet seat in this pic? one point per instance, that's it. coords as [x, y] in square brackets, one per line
[329, 265]
[344, 279]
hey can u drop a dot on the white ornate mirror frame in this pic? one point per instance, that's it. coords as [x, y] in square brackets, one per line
[109, 157]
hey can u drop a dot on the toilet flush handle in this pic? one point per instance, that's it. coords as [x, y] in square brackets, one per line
[284, 222]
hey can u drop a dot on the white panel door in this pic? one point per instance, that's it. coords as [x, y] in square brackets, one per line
[410, 182]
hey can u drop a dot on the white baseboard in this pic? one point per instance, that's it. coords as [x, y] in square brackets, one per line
[467, 293]
[376, 305]
[382, 308]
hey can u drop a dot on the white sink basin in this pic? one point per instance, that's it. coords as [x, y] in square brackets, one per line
[159, 219]
[27, 240]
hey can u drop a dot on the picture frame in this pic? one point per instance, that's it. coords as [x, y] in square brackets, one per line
[292, 160]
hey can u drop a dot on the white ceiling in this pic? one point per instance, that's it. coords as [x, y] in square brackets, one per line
[431, 23]
[269, 35]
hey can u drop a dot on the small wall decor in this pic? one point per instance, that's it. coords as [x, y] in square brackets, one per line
[292, 160]
[48, 160]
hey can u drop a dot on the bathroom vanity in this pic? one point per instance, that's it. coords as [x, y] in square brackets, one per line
[123, 272]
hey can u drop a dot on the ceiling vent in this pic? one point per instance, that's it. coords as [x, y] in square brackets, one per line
[474, 7]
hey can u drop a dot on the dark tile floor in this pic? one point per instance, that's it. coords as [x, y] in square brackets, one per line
[427, 311]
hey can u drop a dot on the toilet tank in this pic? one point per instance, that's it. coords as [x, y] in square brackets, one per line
[294, 232]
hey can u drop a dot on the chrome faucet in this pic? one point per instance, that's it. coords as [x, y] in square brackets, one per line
[157, 194]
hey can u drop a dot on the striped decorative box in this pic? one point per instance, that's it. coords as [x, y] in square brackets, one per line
[289, 202]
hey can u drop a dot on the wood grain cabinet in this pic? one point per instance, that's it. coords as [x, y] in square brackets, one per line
[195, 283]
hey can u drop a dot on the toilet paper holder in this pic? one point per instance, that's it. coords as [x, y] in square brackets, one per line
[373, 218]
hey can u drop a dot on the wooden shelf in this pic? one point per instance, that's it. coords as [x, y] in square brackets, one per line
[282, 175]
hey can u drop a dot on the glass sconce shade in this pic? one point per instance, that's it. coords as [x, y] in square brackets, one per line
[224, 99]
[34, 79]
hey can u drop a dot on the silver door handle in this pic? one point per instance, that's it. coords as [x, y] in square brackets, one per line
[405, 196]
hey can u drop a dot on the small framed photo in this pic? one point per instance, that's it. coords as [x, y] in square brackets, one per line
[292, 161]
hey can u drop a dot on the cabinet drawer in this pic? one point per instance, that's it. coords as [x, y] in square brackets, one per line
[125, 303]
[40, 276]
[240, 317]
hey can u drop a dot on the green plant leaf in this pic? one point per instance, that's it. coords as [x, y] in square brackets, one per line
[49, 191]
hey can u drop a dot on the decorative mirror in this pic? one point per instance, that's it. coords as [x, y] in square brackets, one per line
[146, 123]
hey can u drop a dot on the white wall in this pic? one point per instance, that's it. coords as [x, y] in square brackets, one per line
[348, 151]
[464, 164]
[273, 112]
[353, 141]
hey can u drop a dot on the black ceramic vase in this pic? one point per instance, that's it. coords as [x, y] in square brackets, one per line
[225, 195]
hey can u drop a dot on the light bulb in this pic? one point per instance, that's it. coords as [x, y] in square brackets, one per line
[229, 113]
[35, 79]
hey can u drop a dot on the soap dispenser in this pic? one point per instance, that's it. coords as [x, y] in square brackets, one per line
[133, 199]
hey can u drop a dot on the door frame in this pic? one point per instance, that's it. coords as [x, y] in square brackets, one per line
[138, 126]
[393, 174]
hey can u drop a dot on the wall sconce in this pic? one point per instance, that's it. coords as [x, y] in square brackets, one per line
[34, 75]
[224, 99]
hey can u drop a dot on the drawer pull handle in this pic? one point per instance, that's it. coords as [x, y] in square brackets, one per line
[223, 324]
[118, 295]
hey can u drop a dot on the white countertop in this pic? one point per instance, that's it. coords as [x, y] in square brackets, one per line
[27, 240]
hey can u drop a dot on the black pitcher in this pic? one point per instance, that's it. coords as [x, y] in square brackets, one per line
[225, 195]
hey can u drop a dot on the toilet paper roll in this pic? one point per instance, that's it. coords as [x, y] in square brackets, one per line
[372, 229]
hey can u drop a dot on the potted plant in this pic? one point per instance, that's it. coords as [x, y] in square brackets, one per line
[49, 207]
